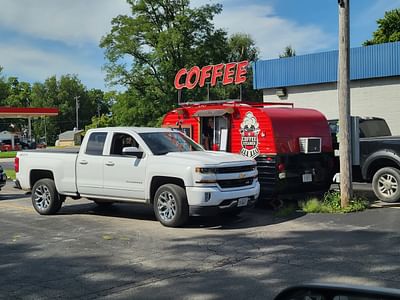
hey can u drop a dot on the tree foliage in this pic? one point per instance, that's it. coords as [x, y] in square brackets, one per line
[388, 29]
[288, 52]
[147, 48]
[53, 92]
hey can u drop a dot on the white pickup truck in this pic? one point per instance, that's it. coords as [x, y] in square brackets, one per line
[156, 166]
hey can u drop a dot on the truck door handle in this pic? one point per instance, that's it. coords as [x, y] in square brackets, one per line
[83, 162]
[109, 163]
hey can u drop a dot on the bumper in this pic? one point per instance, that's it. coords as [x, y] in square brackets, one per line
[213, 196]
[226, 205]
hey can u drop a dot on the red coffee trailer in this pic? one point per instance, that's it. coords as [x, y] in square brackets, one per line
[292, 146]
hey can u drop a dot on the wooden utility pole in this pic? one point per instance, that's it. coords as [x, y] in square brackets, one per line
[344, 103]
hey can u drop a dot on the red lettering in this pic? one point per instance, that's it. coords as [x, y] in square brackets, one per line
[205, 73]
[177, 83]
[217, 72]
[229, 72]
[195, 71]
[196, 76]
[241, 72]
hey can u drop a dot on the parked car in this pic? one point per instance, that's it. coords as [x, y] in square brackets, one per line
[6, 145]
[3, 178]
[155, 166]
[375, 155]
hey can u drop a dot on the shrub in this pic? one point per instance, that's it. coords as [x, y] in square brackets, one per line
[331, 204]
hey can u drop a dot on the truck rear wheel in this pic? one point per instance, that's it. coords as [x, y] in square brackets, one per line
[170, 205]
[45, 198]
[385, 184]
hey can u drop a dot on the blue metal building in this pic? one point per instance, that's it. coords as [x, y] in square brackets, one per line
[310, 81]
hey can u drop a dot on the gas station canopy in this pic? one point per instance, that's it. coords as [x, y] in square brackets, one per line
[27, 112]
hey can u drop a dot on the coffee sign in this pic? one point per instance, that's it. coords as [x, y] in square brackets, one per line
[234, 72]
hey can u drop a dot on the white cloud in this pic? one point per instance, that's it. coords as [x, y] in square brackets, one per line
[72, 22]
[272, 33]
[32, 64]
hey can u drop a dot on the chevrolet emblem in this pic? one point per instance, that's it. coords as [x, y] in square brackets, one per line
[242, 175]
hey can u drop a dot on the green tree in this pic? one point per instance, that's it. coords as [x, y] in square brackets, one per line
[100, 121]
[388, 29]
[4, 90]
[288, 52]
[61, 94]
[145, 50]
[240, 47]
[18, 93]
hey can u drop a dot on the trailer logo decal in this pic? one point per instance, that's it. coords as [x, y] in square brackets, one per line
[249, 130]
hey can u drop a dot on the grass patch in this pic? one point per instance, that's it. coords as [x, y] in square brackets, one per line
[8, 154]
[10, 173]
[286, 211]
[331, 204]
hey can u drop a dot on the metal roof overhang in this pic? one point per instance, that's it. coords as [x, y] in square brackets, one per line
[219, 112]
[27, 112]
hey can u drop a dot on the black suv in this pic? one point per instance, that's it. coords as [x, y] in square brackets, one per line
[375, 155]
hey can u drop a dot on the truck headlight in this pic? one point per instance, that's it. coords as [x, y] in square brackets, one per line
[205, 170]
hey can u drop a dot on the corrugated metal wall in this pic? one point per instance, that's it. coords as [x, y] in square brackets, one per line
[374, 61]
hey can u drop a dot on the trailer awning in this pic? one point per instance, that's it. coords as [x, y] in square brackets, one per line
[219, 112]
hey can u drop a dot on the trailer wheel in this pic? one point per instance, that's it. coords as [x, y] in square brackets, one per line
[45, 198]
[386, 184]
[170, 205]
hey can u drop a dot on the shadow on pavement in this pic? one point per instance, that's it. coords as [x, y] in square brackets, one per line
[234, 265]
[253, 217]
[11, 196]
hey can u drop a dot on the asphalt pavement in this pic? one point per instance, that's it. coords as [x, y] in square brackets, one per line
[85, 252]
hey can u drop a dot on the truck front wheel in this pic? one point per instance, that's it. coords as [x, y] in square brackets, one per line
[170, 205]
[45, 198]
[385, 184]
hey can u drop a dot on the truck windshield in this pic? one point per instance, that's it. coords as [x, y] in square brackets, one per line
[164, 142]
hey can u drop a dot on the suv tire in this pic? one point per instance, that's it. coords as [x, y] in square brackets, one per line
[386, 184]
[45, 198]
[170, 205]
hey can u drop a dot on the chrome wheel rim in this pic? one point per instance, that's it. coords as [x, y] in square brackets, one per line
[166, 205]
[387, 185]
[42, 197]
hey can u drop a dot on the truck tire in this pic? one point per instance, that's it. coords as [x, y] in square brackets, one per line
[170, 205]
[45, 198]
[386, 184]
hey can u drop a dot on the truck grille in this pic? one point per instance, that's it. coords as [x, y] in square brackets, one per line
[232, 183]
[238, 169]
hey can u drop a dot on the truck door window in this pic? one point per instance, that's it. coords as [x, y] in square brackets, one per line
[120, 141]
[96, 143]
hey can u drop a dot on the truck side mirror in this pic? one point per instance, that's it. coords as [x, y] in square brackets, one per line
[132, 151]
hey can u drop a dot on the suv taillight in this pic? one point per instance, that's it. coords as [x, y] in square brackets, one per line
[16, 164]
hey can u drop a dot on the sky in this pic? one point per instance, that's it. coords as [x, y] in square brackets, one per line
[42, 38]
